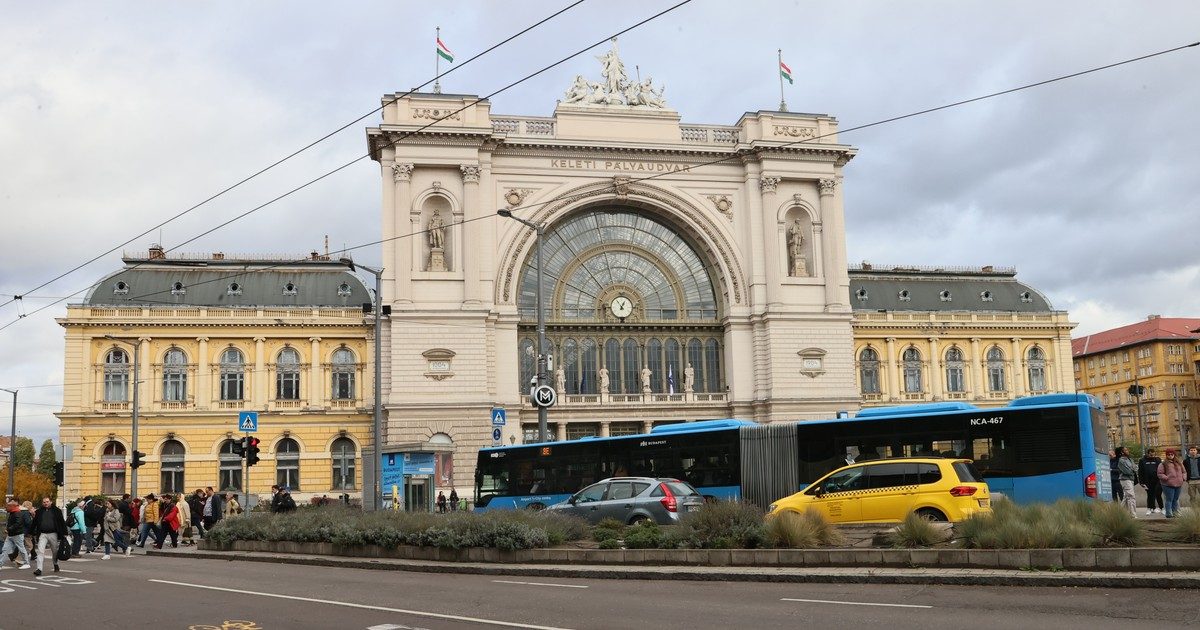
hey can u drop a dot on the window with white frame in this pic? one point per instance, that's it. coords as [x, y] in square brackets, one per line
[912, 371]
[868, 369]
[955, 370]
[233, 374]
[344, 367]
[344, 455]
[175, 373]
[171, 468]
[116, 376]
[287, 464]
[287, 375]
[229, 474]
[1036, 359]
[112, 468]
[995, 369]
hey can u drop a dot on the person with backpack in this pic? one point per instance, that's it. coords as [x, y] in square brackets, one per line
[1148, 475]
[453, 499]
[286, 503]
[76, 524]
[18, 523]
[93, 511]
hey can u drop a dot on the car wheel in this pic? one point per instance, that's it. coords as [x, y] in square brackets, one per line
[536, 507]
[932, 515]
[639, 518]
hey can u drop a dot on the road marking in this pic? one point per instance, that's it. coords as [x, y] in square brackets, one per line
[827, 601]
[539, 584]
[69, 571]
[421, 613]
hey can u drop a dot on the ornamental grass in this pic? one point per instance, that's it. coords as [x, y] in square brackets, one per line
[1065, 524]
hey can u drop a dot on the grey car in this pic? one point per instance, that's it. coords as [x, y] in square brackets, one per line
[633, 499]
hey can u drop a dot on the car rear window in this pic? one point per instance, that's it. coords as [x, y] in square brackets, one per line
[678, 488]
[967, 473]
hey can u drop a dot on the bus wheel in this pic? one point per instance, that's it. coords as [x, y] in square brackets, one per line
[536, 507]
[931, 514]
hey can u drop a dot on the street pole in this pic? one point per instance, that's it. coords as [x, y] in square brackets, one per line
[133, 416]
[12, 446]
[1179, 419]
[1138, 399]
[543, 412]
[377, 430]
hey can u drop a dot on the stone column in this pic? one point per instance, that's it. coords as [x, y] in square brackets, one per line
[389, 228]
[261, 377]
[976, 387]
[755, 186]
[770, 246]
[472, 235]
[204, 390]
[935, 368]
[486, 256]
[647, 426]
[1018, 363]
[833, 250]
[604, 428]
[561, 431]
[146, 395]
[316, 386]
[893, 369]
[403, 257]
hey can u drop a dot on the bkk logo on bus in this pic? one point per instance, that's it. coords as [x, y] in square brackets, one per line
[654, 443]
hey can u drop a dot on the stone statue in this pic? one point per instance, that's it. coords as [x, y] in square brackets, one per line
[578, 92]
[613, 71]
[616, 88]
[689, 379]
[797, 262]
[437, 230]
[646, 380]
[604, 380]
[560, 381]
[646, 95]
[599, 96]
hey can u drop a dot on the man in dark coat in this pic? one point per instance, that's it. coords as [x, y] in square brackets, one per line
[49, 528]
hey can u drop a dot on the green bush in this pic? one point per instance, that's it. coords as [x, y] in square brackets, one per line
[608, 529]
[611, 543]
[644, 535]
[724, 525]
[916, 531]
[1185, 527]
[805, 530]
[1064, 524]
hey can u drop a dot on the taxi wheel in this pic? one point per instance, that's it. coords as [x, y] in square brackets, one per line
[932, 515]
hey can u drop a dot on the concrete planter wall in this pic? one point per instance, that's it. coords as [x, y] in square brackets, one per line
[1105, 559]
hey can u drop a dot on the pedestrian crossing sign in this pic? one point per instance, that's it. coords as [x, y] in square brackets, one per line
[248, 421]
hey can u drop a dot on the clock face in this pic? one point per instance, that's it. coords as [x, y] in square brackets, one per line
[621, 306]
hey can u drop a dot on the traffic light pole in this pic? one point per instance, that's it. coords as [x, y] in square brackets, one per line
[12, 446]
[246, 474]
[136, 344]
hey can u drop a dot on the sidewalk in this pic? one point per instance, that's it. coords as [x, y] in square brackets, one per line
[856, 575]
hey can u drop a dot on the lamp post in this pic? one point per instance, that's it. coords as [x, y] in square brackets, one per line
[136, 344]
[377, 430]
[541, 319]
[12, 446]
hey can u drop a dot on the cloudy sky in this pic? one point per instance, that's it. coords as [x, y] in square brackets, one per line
[117, 116]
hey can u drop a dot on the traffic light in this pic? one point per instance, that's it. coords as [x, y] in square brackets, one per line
[239, 447]
[137, 462]
[1137, 390]
[58, 474]
[251, 451]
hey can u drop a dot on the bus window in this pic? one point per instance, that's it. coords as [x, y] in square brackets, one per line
[992, 456]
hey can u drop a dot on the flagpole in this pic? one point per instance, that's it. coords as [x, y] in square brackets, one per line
[437, 64]
[779, 69]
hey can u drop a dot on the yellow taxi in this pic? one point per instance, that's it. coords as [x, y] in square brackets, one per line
[888, 490]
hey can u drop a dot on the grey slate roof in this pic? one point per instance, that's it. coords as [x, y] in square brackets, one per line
[207, 283]
[880, 290]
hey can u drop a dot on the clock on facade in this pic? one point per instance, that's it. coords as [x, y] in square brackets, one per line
[621, 306]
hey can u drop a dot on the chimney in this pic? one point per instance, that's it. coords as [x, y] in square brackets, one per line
[866, 266]
[156, 252]
[988, 269]
[315, 255]
[218, 256]
[1150, 317]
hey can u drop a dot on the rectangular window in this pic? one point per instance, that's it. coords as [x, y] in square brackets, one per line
[954, 379]
[343, 473]
[230, 477]
[171, 475]
[624, 428]
[343, 385]
[577, 430]
[175, 385]
[116, 385]
[287, 386]
[287, 473]
[232, 385]
[112, 482]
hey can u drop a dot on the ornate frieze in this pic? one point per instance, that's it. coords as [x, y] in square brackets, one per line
[793, 131]
[436, 114]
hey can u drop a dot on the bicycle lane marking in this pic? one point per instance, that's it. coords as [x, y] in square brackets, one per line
[421, 613]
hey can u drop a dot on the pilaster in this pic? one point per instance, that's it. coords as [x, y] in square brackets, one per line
[473, 235]
[261, 377]
[976, 387]
[1018, 364]
[316, 385]
[893, 370]
[204, 390]
[935, 368]
[833, 248]
[403, 256]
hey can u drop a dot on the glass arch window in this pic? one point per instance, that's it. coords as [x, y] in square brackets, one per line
[654, 361]
[589, 366]
[632, 361]
[712, 365]
[912, 371]
[673, 367]
[112, 468]
[612, 363]
[1037, 369]
[995, 369]
[344, 455]
[287, 375]
[171, 469]
[229, 473]
[868, 370]
[528, 364]
[233, 374]
[344, 367]
[695, 358]
[175, 374]
[116, 376]
[955, 370]
[287, 464]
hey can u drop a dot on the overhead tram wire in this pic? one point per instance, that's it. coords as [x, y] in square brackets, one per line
[21, 296]
[734, 155]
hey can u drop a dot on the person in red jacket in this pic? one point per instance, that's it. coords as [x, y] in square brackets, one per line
[170, 523]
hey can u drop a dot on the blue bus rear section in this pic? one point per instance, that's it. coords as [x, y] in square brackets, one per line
[1031, 453]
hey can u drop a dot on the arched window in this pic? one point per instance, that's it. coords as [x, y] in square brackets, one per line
[570, 366]
[528, 365]
[912, 371]
[589, 365]
[233, 375]
[171, 469]
[995, 369]
[116, 376]
[955, 370]
[287, 464]
[868, 370]
[344, 367]
[612, 363]
[112, 469]
[654, 361]
[712, 365]
[695, 358]
[674, 367]
[229, 476]
[1037, 370]
[344, 456]
[287, 375]
[631, 359]
[175, 373]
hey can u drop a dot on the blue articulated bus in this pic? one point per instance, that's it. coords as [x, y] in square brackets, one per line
[1037, 449]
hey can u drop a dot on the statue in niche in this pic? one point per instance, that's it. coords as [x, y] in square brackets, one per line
[797, 261]
[646, 380]
[604, 383]
[437, 242]
[689, 379]
[560, 381]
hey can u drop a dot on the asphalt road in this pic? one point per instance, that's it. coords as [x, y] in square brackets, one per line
[165, 593]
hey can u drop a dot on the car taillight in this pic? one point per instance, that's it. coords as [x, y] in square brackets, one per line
[963, 491]
[668, 499]
[1089, 485]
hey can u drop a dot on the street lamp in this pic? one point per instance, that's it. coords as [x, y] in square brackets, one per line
[12, 446]
[377, 431]
[136, 344]
[541, 319]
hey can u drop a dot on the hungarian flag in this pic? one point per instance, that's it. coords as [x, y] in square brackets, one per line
[445, 53]
[784, 71]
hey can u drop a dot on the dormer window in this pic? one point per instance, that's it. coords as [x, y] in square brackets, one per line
[945, 296]
[904, 296]
[1026, 297]
[235, 288]
[289, 289]
[120, 288]
[344, 290]
[861, 294]
[986, 296]
[178, 289]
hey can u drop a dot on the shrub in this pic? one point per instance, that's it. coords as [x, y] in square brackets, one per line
[611, 543]
[1185, 527]
[602, 534]
[1065, 524]
[1116, 526]
[724, 525]
[800, 531]
[644, 535]
[916, 531]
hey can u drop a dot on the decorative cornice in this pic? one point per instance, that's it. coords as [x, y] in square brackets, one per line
[402, 172]
[768, 183]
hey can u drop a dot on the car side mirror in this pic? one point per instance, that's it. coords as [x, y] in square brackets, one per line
[572, 500]
[819, 490]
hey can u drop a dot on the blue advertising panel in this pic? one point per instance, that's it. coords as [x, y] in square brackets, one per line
[393, 471]
[419, 464]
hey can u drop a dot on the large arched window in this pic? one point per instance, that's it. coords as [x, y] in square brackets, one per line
[955, 371]
[674, 367]
[287, 464]
[287, 375]
[612, 363]
[112, 468]
[912, 371]
[654, 361]
[344, 455]
[1037, 370]
[695, 358]
[171, 469]
[229, 473]
[344, 367]
[868, 370]
[528, 360]
[175, 374]
[589, 366]
[631, 361]
[116, 376]
[995, 369]
[712, 365]
[233, 375]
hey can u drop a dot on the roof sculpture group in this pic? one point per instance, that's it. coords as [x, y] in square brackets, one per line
[616, 89]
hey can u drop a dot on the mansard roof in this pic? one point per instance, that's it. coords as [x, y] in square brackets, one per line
[982, 289]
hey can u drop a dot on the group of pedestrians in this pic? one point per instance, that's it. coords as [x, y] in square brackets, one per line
[1163, 479]
[31, 534]
[452, 504]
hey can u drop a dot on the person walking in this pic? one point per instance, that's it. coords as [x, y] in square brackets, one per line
[453, 499]
[1128, 477]
[130, 522]
[50, 529]
[196, 507]
[1148, 475]
[150, 519]
[109, 527]
[18, 523]
[1114, 474]
[212, 508]
[1191, 464]
[231, 505]
[93, 510]
[441, 502]
[169, 524]
[76, 525]
[185, 520]
[1172, 475]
